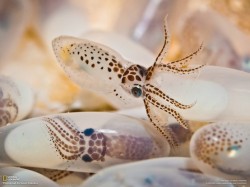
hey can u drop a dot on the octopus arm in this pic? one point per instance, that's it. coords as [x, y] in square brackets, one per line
[159, 120]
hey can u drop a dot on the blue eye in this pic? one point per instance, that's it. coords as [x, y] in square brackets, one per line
[136, 91]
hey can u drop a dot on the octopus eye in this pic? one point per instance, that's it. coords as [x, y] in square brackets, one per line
[136, 91]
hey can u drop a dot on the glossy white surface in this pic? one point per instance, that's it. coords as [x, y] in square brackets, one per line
[222, 149]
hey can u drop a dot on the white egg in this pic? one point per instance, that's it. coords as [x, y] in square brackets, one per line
[84, 141]
[16, 100]
[162, 172]
[222, 149]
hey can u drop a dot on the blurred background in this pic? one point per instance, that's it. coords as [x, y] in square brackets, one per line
[27, 28]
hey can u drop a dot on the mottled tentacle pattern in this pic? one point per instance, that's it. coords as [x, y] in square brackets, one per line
[53, 174]
[181, 66]
[153, 96]
[159, 122]
[8, 109]
[149, 88]
[71, 144]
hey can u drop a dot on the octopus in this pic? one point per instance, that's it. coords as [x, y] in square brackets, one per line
[93, 145]
[70, 143]
[100, 68]
[8, 109]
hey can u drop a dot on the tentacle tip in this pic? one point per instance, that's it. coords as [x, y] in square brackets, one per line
[185, 127]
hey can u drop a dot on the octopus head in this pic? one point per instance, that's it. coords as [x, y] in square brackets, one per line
[133, 80]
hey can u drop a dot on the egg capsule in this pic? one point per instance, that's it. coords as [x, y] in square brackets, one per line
[86, 142]
[160, 172]
[222, 149]
[16, 100]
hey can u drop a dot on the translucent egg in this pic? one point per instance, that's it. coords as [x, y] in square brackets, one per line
[222, 149]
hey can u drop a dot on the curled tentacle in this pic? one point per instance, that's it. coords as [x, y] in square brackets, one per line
[162, 53]
[181, 66]
[184, 61]
[160, 124]
[168, 110]
[156, 91]
[174, 69]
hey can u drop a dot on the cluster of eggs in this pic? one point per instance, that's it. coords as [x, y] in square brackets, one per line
[89, 142]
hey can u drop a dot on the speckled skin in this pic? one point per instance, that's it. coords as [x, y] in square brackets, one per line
[54, 175]
[93, 145]
[222, 148]
[91, 60]
[131, 148]
[72, 144]
[217, 140]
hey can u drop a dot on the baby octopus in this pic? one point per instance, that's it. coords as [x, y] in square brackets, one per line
[87, 62]
[8, 109]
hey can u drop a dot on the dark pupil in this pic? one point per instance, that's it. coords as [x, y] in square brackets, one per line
[136, 91]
